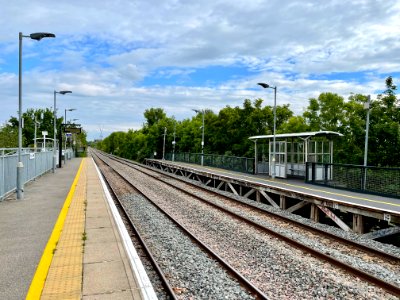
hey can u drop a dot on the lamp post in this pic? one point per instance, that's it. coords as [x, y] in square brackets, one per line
[163, 150]
[55, 127]
[174, 143]
[36, 124]
[73, 135]
[265, 86]
[65, 113]
[367, 107]
[65, 122]
[34, 36]
[202, 135]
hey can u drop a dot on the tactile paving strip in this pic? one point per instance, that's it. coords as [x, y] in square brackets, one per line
[64, 279]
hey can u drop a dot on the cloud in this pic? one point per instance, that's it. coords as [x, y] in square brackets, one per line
[122, 57]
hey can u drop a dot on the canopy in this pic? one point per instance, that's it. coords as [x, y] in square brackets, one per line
[304, 135]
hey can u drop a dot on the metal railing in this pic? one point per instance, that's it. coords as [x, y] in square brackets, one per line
[373, 180]
[233, 163]
[35, 164]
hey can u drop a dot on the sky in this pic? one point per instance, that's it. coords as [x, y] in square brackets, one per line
[121, 57]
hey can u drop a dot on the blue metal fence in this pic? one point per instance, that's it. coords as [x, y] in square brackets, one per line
[35, 164]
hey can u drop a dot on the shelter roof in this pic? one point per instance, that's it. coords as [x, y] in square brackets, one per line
[303, 135]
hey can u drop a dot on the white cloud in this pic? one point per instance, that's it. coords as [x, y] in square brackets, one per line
[105, 52]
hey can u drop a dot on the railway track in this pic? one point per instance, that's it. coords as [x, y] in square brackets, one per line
[257, 222]
[245, 290]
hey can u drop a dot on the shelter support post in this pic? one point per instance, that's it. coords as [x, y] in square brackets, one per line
[255, 158]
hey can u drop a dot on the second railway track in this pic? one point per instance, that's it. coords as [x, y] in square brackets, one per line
[280, 269]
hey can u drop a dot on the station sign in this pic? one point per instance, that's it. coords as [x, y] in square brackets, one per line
[73, 129]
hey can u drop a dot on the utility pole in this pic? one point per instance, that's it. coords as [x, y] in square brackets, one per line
[173, 144]
[165, 134]
[367, 106]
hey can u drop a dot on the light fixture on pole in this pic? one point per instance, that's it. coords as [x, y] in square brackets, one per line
[174, 143]
[55, 127]
[65, 113]
[367, 107]
[34, 36]
[202, 135]
[35, 120]
[65, 125]
[265, 86]
[163, 151]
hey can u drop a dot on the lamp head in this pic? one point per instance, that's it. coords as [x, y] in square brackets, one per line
[64, 92]
[264, 85]
[39, 35]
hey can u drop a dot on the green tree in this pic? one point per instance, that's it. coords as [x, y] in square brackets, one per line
[325, 113]
[384, 141]
[45, 118]
[9, 136]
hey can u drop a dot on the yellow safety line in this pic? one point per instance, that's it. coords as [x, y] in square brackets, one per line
[310, 189]
[39, 278]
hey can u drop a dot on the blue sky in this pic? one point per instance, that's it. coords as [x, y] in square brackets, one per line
[122, 57]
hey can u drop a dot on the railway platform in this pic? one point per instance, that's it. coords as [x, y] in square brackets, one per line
[350, 211]
[64, 241]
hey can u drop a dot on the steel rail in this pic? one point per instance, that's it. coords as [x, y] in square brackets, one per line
[258, 294]
[389, 287]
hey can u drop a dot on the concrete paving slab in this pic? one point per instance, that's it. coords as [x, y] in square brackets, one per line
[104, 278]
[116, 295]
[99, 235]
[97, 223]
[101, 252]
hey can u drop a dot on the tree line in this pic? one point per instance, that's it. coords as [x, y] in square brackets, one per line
[44, 119]
[227, 132]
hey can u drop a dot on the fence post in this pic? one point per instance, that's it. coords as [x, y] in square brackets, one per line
[364, 178]
[307, 171]
[325, 173]
[313, 167]
[4, 180]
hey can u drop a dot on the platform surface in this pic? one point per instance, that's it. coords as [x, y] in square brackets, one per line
[63, 223]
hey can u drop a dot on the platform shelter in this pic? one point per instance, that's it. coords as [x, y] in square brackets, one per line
[293, 151]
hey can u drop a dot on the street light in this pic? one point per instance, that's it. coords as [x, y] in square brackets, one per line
[65, 114]
[65, 122]
[174, 143]
[55, 126]
[265, 86]
[34, 36]
[202, 135]
[36, 124]
[368, 108]
[163, 150]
